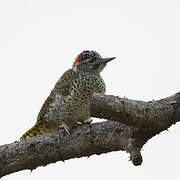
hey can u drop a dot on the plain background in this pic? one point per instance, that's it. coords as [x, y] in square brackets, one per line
[39, 40]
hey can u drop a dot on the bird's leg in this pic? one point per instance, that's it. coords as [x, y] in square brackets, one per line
[64, 127]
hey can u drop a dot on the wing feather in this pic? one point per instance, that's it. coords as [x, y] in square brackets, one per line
[62, 87]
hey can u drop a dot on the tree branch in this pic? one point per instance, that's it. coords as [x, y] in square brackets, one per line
[137, 122]
[159, 115]
[85, 140]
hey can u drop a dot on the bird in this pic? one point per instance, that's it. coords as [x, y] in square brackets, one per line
[69, 101]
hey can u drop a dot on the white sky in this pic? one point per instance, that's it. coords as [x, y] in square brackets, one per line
[39, 40]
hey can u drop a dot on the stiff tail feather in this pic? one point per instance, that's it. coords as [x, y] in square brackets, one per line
[38, 129]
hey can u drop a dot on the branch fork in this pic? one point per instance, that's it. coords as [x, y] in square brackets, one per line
[130, 125]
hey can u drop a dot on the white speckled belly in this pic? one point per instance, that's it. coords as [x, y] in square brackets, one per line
[76, 106]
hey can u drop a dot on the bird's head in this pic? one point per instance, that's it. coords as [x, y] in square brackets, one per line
[90, 62]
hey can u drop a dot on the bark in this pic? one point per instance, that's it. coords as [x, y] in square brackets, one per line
[136, 122]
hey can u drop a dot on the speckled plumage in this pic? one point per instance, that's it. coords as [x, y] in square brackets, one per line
[69, 102]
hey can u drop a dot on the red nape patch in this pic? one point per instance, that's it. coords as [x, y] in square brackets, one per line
[76, 60]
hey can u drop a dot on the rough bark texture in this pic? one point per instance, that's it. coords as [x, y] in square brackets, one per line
[136, 122]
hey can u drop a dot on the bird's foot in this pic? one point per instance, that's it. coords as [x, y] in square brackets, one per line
[64, 128]
[88, 121]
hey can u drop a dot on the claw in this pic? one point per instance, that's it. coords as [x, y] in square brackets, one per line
[88, 121]
[79, 123]
[64, 127]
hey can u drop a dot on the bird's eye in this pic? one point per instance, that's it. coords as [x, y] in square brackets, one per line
[96, 66]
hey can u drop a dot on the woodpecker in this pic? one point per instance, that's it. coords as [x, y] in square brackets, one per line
[69, 102]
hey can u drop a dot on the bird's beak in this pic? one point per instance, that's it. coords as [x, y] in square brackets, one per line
[106, 60]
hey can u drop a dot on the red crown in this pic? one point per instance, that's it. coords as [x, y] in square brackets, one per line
[76, 60]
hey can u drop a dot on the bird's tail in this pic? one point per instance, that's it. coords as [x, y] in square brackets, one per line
[38, 129]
